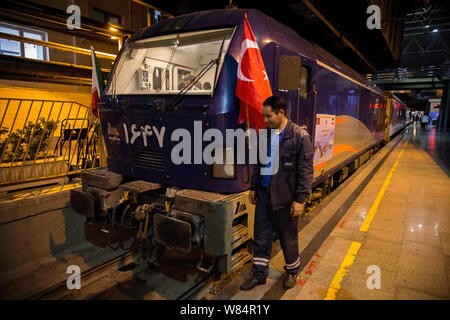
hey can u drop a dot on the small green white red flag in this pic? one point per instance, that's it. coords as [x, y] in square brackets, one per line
[97, 82]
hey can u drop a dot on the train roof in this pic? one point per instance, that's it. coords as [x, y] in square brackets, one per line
[280, 33]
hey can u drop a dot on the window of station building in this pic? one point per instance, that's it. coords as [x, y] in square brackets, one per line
[107, 17]
[21, 49]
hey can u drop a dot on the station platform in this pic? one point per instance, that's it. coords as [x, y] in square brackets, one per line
[392, 243]
[399, 224]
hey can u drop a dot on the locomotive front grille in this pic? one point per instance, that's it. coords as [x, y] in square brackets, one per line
[147, 158]
[201, 195]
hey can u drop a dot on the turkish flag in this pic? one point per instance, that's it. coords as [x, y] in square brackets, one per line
[253, 86]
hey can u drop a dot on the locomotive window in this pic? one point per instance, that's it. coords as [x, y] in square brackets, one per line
[157, 78]
[167, 79]
[304, 81]
[184, 77]
[179, 54]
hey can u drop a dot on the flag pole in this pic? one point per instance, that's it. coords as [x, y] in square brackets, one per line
[101, 142]
[248, 117]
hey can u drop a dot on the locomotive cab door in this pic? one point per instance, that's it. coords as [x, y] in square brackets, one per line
[288, 65]
[294, 85]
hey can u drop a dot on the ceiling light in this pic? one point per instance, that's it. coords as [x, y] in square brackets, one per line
[435, 30]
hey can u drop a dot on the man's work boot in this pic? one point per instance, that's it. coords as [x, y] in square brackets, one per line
[290, 280]
[251, 283]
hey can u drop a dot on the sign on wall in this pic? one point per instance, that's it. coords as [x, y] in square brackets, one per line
[324, 137]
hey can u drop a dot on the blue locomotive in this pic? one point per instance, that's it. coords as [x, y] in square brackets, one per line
[180, 76]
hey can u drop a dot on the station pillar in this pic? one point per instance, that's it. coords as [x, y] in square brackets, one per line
[444, 117]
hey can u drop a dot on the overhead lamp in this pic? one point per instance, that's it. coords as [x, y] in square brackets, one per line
[113, 29]
[435, 30]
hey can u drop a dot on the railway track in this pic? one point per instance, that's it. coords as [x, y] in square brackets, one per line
[120, 271]
[60, 290]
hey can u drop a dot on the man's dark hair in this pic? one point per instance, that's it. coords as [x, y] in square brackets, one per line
[277, 103]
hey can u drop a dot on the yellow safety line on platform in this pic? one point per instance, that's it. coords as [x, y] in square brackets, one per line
[373, 210]
[335, 284]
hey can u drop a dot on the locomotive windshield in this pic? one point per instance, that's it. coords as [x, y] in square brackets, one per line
[166, 64]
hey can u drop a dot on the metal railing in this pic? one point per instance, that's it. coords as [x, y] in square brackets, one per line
[43, 139]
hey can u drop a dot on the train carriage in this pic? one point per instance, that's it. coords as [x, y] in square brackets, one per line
[396, 115]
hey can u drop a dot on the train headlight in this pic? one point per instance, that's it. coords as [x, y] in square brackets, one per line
[226, 168]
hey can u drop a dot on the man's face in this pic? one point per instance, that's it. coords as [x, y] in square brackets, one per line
[274, 119]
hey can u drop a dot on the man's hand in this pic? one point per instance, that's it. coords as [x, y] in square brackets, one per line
[252, 197]
[297, 208]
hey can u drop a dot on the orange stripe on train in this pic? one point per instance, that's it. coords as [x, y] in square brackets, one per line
[340, 120]
[336, 150]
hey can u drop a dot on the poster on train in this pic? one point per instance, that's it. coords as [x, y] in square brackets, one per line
[324, 137]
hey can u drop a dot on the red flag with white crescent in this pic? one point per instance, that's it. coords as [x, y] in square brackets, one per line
[253, 86]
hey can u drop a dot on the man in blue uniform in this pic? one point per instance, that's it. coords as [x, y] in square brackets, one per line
[280, 196]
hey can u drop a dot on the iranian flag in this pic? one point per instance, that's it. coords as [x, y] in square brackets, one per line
[97, 83]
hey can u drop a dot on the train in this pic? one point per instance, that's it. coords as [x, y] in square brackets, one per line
[199, 212]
